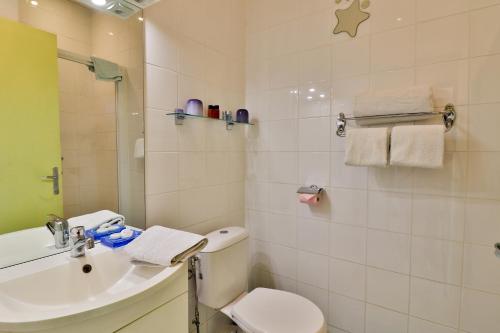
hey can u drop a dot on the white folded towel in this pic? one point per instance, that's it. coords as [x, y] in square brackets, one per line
[386, 102]
[90, 221]
[367, 146]
[418, 146]
[163, 246]
[139, 148]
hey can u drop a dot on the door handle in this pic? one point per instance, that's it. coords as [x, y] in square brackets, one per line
[55, 179]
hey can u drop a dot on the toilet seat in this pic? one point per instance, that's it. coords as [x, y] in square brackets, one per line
[274, 311]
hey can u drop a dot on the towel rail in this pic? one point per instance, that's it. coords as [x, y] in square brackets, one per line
[449, 116]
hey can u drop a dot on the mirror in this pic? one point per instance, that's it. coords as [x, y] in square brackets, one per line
[72, 139]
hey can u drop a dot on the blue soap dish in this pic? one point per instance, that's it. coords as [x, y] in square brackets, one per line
[97, 236]
[114, 243]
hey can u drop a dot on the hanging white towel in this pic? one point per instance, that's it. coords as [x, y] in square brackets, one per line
[90, 221]
[163, 246]
[405, 100]
[418, 146]
[367, 146]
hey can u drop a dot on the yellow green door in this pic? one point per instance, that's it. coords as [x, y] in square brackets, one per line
[29, 126]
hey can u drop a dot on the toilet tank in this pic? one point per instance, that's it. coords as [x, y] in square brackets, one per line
[223, 266]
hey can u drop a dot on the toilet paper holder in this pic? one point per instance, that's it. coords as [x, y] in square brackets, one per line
[313, 189]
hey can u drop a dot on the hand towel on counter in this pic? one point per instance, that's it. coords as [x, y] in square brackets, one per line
[93, 220]
[386, 102]
[163, 246]
[367, 146]
[418, 146]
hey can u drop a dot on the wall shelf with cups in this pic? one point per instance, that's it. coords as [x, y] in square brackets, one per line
[228, 119]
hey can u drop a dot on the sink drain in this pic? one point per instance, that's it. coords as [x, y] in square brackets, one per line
[87, 268]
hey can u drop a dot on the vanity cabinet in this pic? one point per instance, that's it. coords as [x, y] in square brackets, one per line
[170, 317]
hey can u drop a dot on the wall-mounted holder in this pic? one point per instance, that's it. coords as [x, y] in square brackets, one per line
[310, 194]
[449, 116]
[180, 116]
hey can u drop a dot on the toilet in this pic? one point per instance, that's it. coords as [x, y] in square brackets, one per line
[222, 283]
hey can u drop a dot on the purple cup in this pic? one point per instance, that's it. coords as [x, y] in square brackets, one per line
[194, 107]
[242, 116]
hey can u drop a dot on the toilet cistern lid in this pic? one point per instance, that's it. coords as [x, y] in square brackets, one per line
[276, 311]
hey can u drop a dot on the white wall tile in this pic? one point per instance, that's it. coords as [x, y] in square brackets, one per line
[282, 167]
[450, 180]
[349, 206]
[482, 131]
[161, 171]
[428, 9]
[421, 326]
[161, 88]
[387, 289]
[346, 313]
[480, 311]
[393, 49]
[282, 199]
[283, 104]
[347, 176]
[282, 229]
[435, 301]
[351, 57]
[314, 134]
[481, 221]
[314, 100]
[481, 175]
[392, 14]
[449, 81]
[484, 78]
[314, 168]
[315, 65]
[448, 44]
[437, 260]
[484, 31]
[388, 250]
[438, 217]
[481, 269]
[382, 320]
[313, 269]
[389, 211]
[347, 278]
[347, 242]
[283, 135]
[313, 235]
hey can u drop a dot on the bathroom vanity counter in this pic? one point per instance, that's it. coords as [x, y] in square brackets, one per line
[100, 292]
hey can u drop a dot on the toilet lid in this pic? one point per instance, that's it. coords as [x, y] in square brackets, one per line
[275, 311]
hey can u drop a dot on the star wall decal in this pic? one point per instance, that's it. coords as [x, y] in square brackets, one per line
[350, 18]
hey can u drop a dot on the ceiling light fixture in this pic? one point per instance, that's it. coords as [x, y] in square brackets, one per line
[34, 3]
[140, 18]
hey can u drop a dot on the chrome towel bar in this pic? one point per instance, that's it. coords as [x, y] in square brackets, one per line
[449, 116]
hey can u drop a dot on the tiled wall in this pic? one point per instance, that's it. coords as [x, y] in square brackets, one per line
[389, 250]
[194, 172]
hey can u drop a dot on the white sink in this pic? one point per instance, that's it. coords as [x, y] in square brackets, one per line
[50, 291]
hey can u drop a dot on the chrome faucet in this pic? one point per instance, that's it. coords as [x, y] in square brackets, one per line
[59, 227]
[79, 242]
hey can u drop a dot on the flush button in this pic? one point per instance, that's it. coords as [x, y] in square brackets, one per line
[223, 232]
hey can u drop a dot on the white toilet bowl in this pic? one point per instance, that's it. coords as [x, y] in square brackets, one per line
[274, 311]
[222, 285]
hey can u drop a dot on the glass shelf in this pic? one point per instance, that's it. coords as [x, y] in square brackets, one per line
[179, 118]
